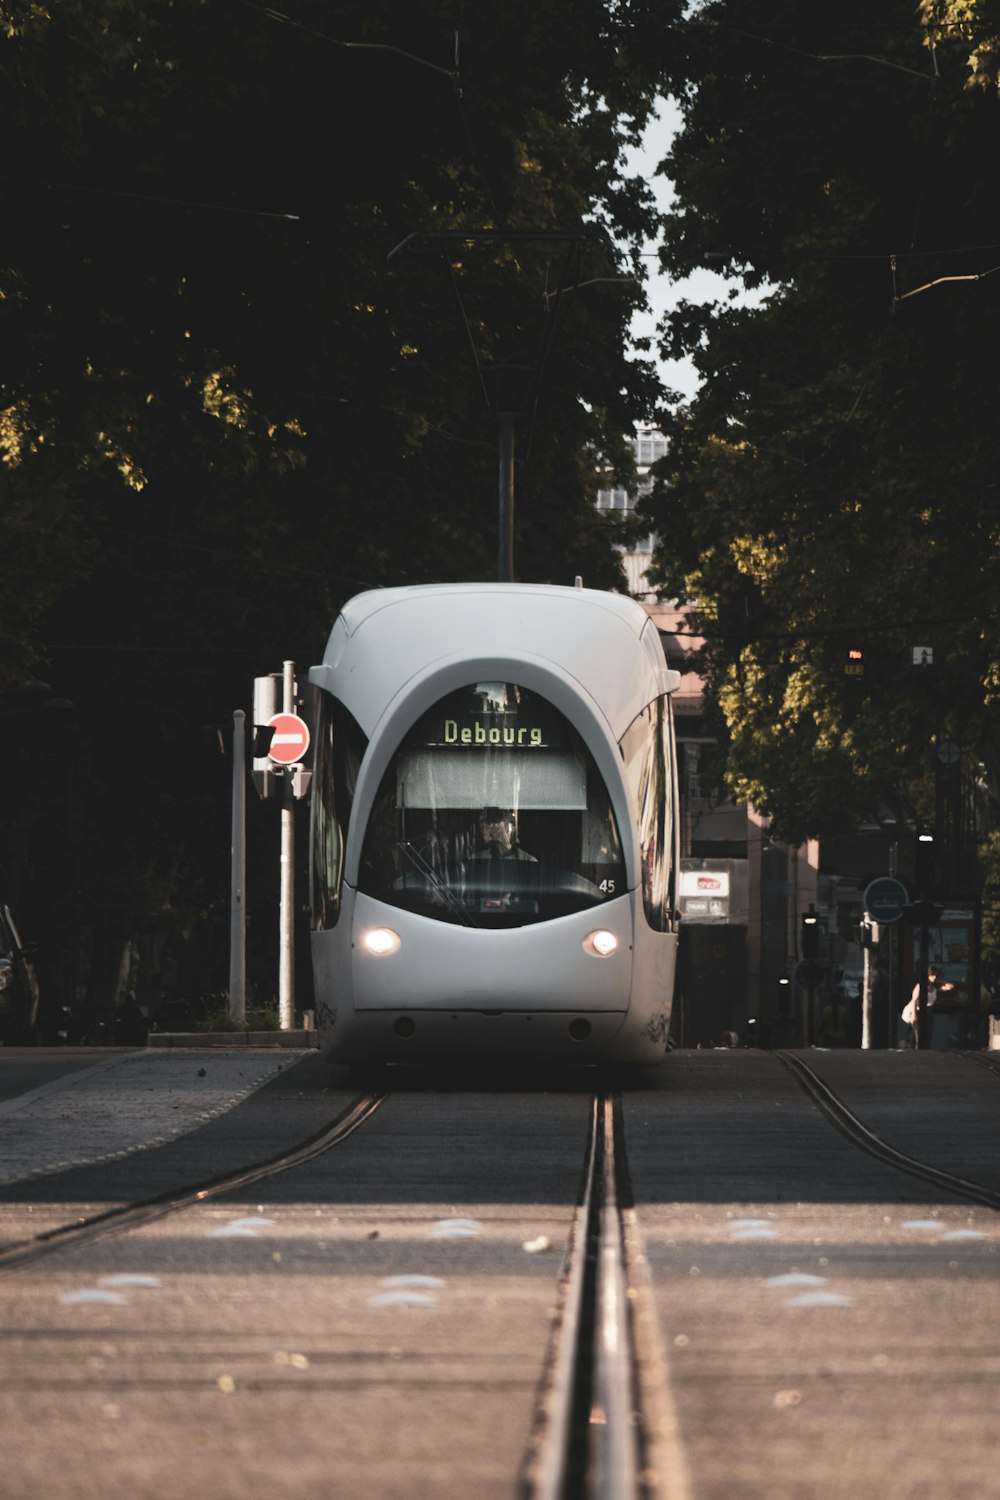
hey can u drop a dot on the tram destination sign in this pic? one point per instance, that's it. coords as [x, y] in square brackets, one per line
[522, 735]
[886, 899]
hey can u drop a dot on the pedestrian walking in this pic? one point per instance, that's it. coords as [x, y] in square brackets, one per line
[935, 986]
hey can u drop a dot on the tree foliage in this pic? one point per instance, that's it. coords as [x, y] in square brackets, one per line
[834, 483]
[229, 399]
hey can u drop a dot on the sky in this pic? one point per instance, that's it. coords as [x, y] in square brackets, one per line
[663, 293]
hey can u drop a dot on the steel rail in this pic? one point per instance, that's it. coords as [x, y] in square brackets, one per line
[588, 1446]
[859, 1134]
[549, 1464]
[613, 1470]
[665, 1474]
[991, 1064]
[134, 1215]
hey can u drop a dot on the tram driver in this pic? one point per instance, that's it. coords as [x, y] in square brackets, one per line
[498, 836]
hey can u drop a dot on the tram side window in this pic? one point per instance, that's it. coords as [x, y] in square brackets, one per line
[339, 747]
[648, 751]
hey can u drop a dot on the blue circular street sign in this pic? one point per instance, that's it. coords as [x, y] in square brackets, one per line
[886, 899]
[808, 975]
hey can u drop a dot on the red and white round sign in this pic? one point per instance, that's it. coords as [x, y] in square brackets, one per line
[291, 739]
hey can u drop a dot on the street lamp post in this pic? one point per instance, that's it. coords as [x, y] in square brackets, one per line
[924, 871]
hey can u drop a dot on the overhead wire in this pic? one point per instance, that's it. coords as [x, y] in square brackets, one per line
[553, 320]
[52, 185]
[274, 14]
[453, 74]
[693, 22]
[848, 628]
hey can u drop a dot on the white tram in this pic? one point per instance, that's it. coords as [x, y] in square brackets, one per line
[494, 827]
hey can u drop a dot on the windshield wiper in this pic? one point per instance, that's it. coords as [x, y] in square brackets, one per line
[444, 890]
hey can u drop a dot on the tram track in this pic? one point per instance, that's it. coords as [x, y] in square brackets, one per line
[848, 1123]
[129, 1216]
[608, 1420]
[603, 1416]
[608, 1429]
[990, 1062]
[605, 1427]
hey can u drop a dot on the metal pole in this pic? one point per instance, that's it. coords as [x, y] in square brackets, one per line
[505, 542]
[286, 916]
[923, 1010]
[808, 1022]
[237, 913]
[895, 957]
[866, 989]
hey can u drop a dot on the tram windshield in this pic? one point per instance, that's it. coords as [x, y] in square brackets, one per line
[492, 813]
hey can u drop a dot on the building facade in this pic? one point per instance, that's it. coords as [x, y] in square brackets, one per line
[741, 894]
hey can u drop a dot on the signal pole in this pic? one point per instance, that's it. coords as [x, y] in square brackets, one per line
[810, 954]
[286, 914]
[238, 876]
[925, 909]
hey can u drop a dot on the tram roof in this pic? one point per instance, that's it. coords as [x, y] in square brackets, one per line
[384, 637]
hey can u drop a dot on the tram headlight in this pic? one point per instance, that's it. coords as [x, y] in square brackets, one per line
[601, 943]
[378, 941]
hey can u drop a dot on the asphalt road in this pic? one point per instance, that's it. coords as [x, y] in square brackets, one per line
[831, 1325]
[377, 1323]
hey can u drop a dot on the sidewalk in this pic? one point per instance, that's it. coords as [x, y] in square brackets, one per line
[129, 1103]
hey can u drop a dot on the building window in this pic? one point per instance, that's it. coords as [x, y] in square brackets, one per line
[617, 499]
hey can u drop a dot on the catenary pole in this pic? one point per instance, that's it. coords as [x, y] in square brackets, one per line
[866, 984]
[505, 544]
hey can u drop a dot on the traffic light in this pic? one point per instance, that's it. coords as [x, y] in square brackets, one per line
[809, 938]
[924, 862]
[854, 662]
[868, 933]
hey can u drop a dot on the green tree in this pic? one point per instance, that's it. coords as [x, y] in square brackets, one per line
[225, 403]
[833, 483]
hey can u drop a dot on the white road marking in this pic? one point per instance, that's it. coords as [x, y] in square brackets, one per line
[821, 1299]
[749, 1229]
[245, 1229]
[455, 1229]
[415, 1280]
[402, 1299]
[94, 1294]
[128, 1278]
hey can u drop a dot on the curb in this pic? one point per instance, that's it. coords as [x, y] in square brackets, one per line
[233, 1039]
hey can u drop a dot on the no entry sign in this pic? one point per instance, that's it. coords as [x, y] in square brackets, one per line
[291, 739]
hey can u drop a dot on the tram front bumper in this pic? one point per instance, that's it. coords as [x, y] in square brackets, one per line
[572, 1035]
